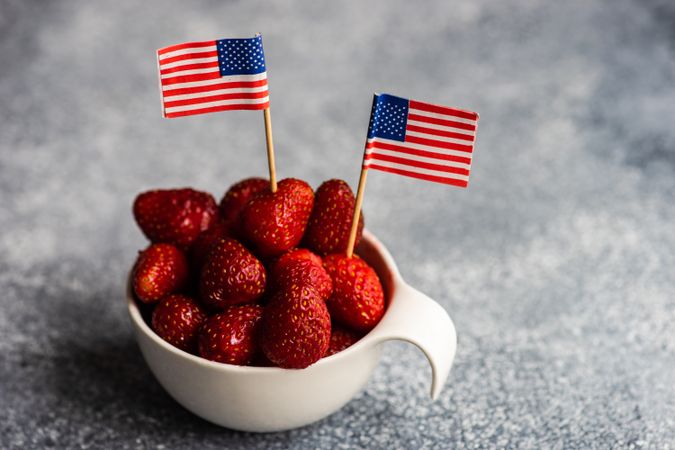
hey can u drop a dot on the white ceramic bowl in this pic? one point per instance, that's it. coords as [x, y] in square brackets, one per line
[265, 399]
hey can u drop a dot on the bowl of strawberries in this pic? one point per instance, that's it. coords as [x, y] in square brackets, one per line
[252, 315]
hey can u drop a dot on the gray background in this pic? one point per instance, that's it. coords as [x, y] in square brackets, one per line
[556, 264]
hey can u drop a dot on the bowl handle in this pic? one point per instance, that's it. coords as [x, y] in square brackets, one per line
[415, 318]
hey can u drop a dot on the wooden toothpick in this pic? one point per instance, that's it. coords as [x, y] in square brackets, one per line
[270, 149]
[357, 211]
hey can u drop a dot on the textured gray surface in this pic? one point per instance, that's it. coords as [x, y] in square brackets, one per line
[556, 265]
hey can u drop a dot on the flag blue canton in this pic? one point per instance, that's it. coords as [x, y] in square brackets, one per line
[388, 117]
[241, 56]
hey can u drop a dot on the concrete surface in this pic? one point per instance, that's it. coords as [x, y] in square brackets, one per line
[556, 264]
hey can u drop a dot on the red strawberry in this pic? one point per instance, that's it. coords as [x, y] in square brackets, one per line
[236, 197]
[231, 275]
[231, 337]
[202, 246]
[275, 222]
[160, 270]
[296, 254]
[301, 267]
[177, 319]
[295, 328]
[331, 220]
[340, 339]
[175, 216]
[358, 300]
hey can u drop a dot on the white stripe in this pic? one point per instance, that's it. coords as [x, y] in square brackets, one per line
[433, 126]
[215, 92]
[442, 116]
[190, 72]
[423, 159]
[186, 62]
[417, 169]
[241, 101]
[185, 51]
[424, 147]
[439, 138]
[159, 84]
[226, 79]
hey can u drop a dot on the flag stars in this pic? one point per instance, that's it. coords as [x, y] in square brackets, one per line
[388, 118]
[241, 56]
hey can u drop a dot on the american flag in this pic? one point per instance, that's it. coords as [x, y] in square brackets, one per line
[420, 140]
[204, 77]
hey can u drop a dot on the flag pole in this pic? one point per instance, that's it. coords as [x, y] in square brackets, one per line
[270, 149]
[357, 210]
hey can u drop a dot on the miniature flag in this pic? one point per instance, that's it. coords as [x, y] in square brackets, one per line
[420, 140]
[204, 77]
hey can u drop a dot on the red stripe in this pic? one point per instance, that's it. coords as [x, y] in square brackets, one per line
[414, 104]
[441, 133]
[213, 87]
[420, 164]
[190, 78]
[217, 108]
[189, 67]
[215, 98]
[411, 151]
[421, 176]
[445, 123]
[188, 56]
[173, 48]
[439, 144]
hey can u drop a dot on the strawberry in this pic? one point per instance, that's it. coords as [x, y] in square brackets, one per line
[231, 337]
[331, 220]
[358, 299]
[174, 216]
[301, 266]
[236, 197]
[295, 327]
[340, 339]
[202, 246]
[177, 319]
[231, 275]
[296, 254]
[275, 222]
[160, 270]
